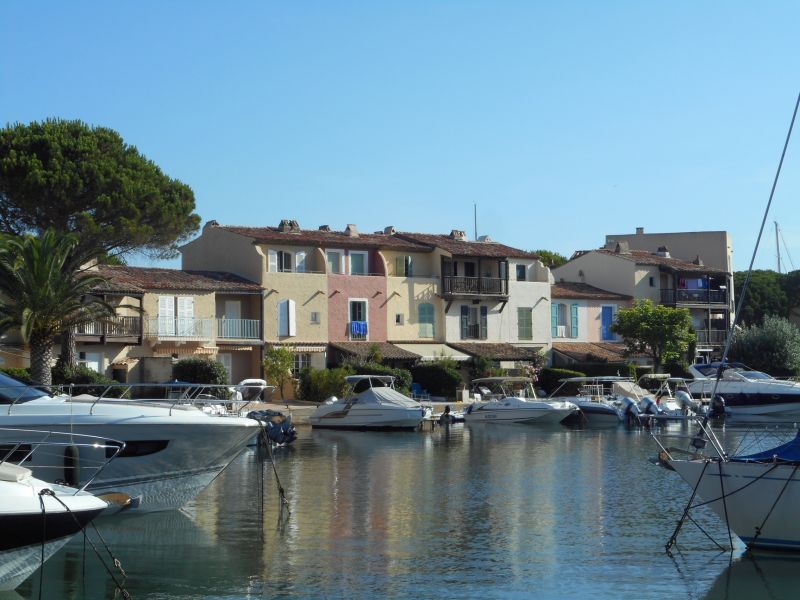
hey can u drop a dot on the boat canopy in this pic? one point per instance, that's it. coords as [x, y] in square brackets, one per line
[788, 452]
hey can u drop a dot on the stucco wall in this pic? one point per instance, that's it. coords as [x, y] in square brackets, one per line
[715, 248]
[221, 250]
[310, 294]
[424, 264]
[342, 289]
[525, 294]
[405, 294]
[204, 303]
[604, 271]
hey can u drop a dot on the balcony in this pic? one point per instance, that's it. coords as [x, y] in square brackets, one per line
[474, 286]
[112, 329]
[239, 329]
[673, 297]
[473, 331]
[358, 330]
[714, 337]
[184, 328]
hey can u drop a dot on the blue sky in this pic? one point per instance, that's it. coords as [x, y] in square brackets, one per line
[562, 121]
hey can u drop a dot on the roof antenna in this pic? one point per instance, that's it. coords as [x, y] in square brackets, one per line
[475, 209]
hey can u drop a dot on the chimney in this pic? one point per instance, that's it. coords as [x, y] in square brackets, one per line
[485, 238]
[622, 248]
[285, 225]
[390, 230]
[459, 235]
[351, 230]
[640, 231]
[210, 224]
[663, 251]
[698, 261]
[294, 225]
[324, 227]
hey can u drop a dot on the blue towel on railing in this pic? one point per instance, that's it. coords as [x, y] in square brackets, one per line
[358, 328]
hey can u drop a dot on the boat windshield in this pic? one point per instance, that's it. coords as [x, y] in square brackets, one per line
[711, 372]
[13, 391]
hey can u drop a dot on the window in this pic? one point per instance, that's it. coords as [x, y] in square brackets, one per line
[300, 261]
[469, 269]
[358, 320]
[521, 270]
[525, 323]
[315, 318]
[281, 261]
[302, 360]
[403, 266]
[176, 316]
[226, 358]
[90, 360]
[358, 263]
[426, 327]
[564, 320]
[652, 282]
[334, 261]
[284, 262]
[398, 319]
[474, 321]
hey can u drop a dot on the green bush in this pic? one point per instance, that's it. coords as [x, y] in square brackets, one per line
[402, 377]
[549, 377]
[318, 385]
[87, 381]
[24, 375]
[773, 347]
[437, 379]
[200, 370]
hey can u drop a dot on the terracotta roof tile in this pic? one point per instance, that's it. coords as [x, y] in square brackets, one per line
[363, 349]
[467, 248]
[496, 351]
[641, 257]
[583, 291]
[142, 279]
[587, 351]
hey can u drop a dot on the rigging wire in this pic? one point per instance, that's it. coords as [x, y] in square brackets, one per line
[785, 247]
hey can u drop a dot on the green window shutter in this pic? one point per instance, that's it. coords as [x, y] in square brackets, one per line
[574, 319]
[426, 327]
[524, 323]
[554, 319]
[464, 321]
[484, 322]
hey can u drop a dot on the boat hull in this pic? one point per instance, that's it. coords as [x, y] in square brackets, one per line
[759, 499]
[369, 418]
[165, 462]
[540, 415]
[598, 413]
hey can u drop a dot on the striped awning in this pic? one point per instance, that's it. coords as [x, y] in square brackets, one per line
[429, 352]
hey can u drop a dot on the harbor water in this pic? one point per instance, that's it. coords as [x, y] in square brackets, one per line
[465, 511]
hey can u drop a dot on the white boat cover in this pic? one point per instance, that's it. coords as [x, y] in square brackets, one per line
[386, 395]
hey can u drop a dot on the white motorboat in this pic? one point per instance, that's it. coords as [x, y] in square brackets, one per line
[756, 494]
[513, 400]
[598, 398]
[173, 449]
[37, 518]
[372, 403]
[745, 391]
[670, 400]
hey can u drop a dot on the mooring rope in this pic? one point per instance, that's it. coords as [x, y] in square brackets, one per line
[281, 492]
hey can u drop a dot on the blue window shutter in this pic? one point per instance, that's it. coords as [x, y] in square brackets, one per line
[574, 319]
[554, 319]
[464, 321]
[607, 320]
[484, 319]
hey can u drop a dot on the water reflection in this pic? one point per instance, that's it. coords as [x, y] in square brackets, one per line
[761, 575]
[500, 511]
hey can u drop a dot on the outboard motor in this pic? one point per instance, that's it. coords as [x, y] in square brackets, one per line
[717, 406]
[685, 400]
[649, 406]
[630, 409]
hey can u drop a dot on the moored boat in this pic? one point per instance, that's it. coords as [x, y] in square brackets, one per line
[513, 400]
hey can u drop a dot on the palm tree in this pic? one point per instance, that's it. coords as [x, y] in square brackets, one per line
[44, 292]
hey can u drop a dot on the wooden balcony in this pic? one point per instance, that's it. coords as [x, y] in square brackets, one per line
[474, 286]
[114, 329]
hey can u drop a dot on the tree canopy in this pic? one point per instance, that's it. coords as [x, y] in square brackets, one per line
[765, 295]
[550, 258]
[278, 365]
[773, 347]
[70, 177]
[661, 332]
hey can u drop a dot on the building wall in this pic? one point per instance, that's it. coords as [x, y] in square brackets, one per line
[310, 294]
[714, 247]
[525, 294]
[603, 271]
[405, 294]
[343, 288]
[221, 250]
[204, 303]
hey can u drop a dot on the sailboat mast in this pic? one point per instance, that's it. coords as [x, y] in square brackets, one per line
[778, 247]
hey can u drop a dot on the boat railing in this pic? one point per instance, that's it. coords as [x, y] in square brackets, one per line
[18, 446]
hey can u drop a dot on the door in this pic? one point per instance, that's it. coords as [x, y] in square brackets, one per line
[226, 358]
[232, 325]
[607, 319]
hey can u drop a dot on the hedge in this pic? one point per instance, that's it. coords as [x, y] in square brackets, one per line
[549, 377]
[318, 385]
[200, 370]
[402, 377]
[437, 379]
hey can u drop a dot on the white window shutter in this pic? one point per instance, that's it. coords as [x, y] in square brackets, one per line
[272, 261]
[291, 318]
[186, 315]
[300, 262]
[166, 315]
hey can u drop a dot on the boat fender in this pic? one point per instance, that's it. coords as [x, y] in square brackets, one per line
[717, 406]
[71, 466]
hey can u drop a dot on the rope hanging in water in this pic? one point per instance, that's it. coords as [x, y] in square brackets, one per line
[281, 492]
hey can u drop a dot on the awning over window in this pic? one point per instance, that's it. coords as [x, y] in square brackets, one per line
[428, 352]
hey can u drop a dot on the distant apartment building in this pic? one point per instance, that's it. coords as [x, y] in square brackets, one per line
[657, 275]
